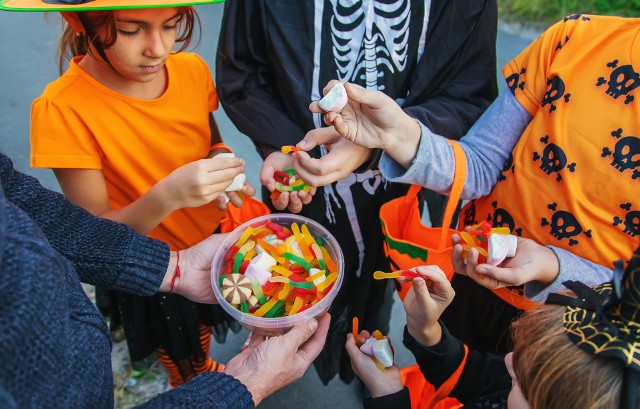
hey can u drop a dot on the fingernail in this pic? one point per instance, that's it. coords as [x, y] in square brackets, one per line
[313, 324]
[482, 270]
[302, 144]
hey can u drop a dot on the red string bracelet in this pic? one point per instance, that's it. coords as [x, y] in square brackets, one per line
[176, 274]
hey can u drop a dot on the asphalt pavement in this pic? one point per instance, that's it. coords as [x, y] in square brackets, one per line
[27, 46]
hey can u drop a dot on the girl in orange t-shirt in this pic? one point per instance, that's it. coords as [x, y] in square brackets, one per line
[128, 130]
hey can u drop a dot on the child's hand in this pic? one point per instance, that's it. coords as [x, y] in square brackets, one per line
[343, 157]
[379, 383]
[425, 302]
[286, 200]
[532, 262]
[199, 183]
[235, 197]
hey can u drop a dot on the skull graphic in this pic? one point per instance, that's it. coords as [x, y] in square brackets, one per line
[564, 225]
[631, 223]
[502, 218]
[470, 214]
[622, 81]
[626, 154]
[554, 92]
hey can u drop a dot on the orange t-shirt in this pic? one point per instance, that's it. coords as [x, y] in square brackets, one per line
[79, 123]
[574, 178]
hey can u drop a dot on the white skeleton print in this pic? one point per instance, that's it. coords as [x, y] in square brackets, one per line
[366, 35]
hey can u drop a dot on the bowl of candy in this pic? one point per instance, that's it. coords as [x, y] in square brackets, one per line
[276, 271]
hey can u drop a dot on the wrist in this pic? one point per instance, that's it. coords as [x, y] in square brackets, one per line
[426, 336]
[173, 274]
[403, 144]
[386, 388]
[552, 267]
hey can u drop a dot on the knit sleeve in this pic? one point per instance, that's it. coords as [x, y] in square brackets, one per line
[104, 253]
[209, 390]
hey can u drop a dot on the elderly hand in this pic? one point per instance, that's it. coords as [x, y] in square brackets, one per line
[343, 157]
[424, 303]
[194, 281]
[532, 262]
[379, 383]
[267, 366]
[287, 200]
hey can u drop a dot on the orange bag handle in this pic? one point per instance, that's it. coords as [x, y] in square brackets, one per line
[459, 176]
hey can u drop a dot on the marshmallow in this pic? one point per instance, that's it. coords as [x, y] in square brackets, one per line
[497, 249]
[238, 181]
[335, 99]
[367, 347]
[263, 261]
[383, 353]
[512, 244]
[258, 273]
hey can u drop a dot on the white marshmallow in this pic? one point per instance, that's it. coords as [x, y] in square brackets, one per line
[497, 249]
[263, 261]
[318, 280]
[382, 352]
[367, 347]
[238, 181]
[335, 99]
[258, 273]
[512, 244]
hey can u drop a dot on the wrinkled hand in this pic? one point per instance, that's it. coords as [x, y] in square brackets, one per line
[343, 157]
[378, 383]
[199, 183]
[287, 200]
[370, 119]
[532, 262]
[195, 270]
[267, 366]
[424, 303]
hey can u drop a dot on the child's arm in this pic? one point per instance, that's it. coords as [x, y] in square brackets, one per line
[192, 185]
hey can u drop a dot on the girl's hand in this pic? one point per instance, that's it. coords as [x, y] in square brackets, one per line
[373, 120]
[532, 262]
[235, 197]
[199, 183]
[343, 157]
[287, 200]
[378, 383]
[424, 303]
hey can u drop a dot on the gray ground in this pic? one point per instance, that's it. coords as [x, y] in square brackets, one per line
[28, 64]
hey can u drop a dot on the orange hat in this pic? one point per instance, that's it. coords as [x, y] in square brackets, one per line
[87, 5]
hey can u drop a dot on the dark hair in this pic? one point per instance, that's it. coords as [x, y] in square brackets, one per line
[553, 372]
[103, 26]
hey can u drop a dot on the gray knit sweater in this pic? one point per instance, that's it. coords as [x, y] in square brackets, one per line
[54, 344]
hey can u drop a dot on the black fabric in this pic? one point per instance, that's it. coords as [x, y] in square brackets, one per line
[396, 400]
[480, 318]
[265, 81]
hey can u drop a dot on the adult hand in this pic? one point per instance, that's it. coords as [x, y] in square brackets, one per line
[373, 120]
[379, 383]
[286, 200]
[199, 183]
[343, 157]
[424, 303]
[194, 281]
[267, 366]
[532, 262]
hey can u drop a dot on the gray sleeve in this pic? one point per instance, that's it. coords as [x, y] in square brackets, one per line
[572, 267]
[487, 147]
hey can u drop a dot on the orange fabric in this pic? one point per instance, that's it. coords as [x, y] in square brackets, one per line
[422, 392]
[574, 180]
[80, 123]
[408, 242]
[250, 209]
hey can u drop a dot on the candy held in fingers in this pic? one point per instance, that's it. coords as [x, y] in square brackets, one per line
[335, 99]
[381, 275]
[289, 149]
[382, 352]
[497, 249]
[236, 288]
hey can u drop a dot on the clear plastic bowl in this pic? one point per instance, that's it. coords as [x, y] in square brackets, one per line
[280, 325]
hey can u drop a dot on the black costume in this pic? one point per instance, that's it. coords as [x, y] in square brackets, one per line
[437, 60]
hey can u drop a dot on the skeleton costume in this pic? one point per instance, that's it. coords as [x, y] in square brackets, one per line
[435, 58]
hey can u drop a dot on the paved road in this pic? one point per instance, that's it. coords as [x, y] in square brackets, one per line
[28, 64]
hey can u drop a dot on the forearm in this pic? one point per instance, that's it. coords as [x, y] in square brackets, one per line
[210, 390]
[572, 267]
[145, 213]
[487, 147]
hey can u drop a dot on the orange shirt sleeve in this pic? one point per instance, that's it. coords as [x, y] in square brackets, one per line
[528, 73]
[60, 139]
[211, 89]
